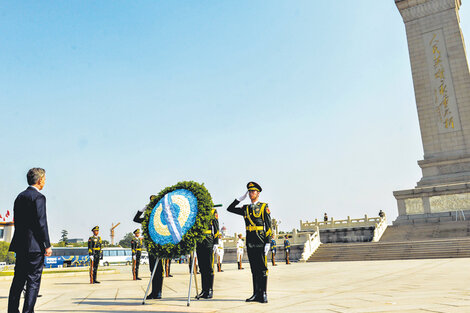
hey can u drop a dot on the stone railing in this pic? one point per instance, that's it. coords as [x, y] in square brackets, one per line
[295, 238]
[347, 223]
[380, 229]
[311, 245]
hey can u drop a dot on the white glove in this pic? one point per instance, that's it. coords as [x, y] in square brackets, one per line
[92, 258]
[133, 257]
[267, 247]
[143, 209]
[242, 197]
[215, 248]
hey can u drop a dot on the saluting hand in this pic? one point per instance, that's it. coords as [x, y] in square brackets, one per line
[143, 209]
[48, 251]
[242, 197]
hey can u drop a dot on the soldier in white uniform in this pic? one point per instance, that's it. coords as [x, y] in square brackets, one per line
[240, 250]
[220, 254]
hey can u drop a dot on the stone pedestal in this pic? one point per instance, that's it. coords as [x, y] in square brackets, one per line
[442, 89]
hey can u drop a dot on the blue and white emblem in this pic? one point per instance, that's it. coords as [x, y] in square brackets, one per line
[172, 217]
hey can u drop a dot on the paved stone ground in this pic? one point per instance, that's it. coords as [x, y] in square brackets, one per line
[378, 286]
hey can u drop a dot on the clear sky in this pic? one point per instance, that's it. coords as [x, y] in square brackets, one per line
[119, 99]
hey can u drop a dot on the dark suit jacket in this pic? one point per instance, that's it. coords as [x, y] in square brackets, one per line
[31, 232]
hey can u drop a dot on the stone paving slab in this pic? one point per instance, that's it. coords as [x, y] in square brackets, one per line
[438, 285]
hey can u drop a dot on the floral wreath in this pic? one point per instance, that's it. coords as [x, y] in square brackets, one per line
[187, 198]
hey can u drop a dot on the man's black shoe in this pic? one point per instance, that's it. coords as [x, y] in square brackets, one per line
[138, 278]
[96, 282]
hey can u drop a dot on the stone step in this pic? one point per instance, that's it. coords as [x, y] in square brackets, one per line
[428, 249]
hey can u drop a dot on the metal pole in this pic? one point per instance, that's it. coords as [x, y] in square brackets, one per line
[151, 279]
[191, 278]
[195, 275]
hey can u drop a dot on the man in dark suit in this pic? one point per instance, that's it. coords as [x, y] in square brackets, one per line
[30, 242]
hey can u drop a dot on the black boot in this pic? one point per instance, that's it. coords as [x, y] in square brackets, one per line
[262, 296]
[255, 290]
[203, 287]
[157, 284]
[210, 283]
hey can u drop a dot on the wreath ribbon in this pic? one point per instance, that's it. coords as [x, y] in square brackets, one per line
[175, 228]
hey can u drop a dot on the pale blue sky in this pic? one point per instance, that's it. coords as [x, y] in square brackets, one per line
[118, 99]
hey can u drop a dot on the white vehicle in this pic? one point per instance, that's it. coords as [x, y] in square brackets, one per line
[116, 256]
[144, 259]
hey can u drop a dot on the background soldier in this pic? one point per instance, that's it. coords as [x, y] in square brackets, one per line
[325, 217]
[220, 254]
[287, 248]
[381, 214]
[258, 237]
[273, 251]
[94, 251]
[167, 268]
[240, 251]
[136, 246]
[205, 256]
[157, 281]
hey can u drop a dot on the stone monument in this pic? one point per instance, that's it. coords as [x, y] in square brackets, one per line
[442, 90]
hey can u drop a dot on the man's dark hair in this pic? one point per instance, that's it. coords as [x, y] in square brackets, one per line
[34, 175]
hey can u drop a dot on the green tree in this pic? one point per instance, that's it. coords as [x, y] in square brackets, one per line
[64, 237]
[126, 241]
[5, 256]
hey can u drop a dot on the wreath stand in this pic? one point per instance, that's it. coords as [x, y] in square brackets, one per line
[151, 279]
[193, 254]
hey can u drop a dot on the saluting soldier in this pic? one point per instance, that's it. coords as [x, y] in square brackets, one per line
[273, 252]
[94, 251]
[240, 251]
[287, 249]
[157, 281]
[136, 246]
[205, 256]
[258, 237]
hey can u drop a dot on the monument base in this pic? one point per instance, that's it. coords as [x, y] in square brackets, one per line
[433, 204]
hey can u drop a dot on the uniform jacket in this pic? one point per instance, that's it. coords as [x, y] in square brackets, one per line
[257, 216]
[286, 244]
[273, 245]
[211, 235]
[31, 231]
[220, 248]
[136, 245]
[94, 245]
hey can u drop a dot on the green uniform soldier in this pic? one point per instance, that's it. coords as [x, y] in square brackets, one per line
[287, 249]
[258, 238]
[94, 251]
[273, 252]
[205, 256]
[136, 246]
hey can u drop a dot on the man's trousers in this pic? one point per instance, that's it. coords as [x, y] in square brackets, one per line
[28, 270]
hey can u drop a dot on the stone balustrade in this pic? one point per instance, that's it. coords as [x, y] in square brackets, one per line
[311, 245]
[380, 229]
[347, 223]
